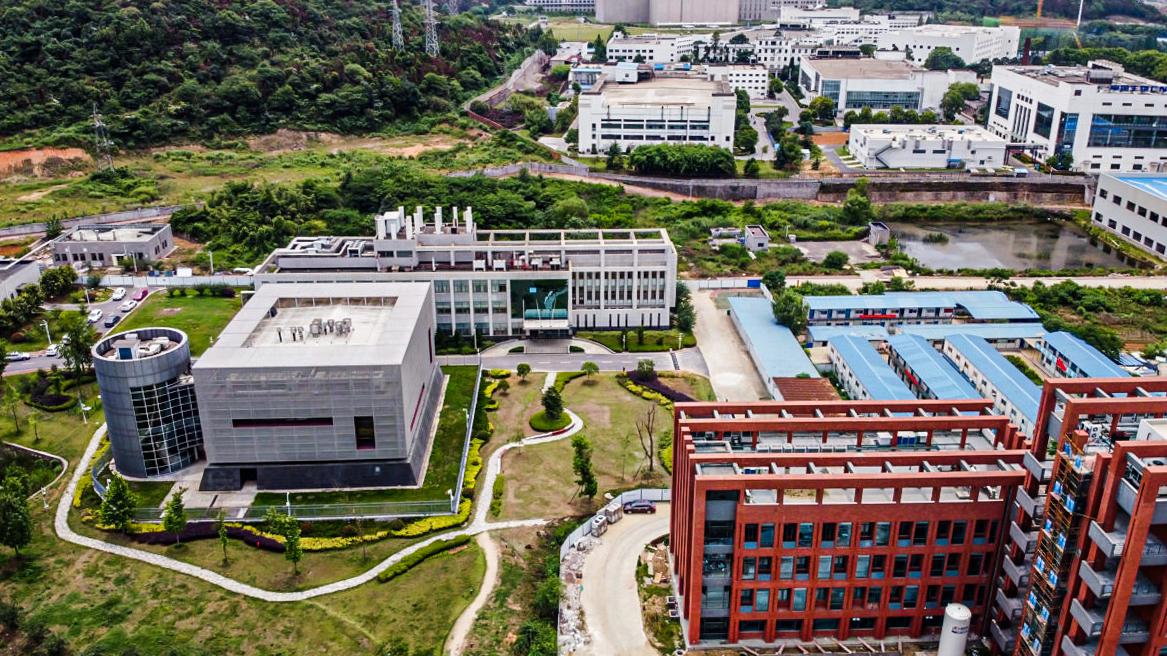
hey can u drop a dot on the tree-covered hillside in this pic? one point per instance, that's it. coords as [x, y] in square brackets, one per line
[979, 8]
[163, 70]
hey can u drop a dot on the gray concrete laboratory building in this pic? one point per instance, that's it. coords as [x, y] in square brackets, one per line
[321, 385]
[148, 395]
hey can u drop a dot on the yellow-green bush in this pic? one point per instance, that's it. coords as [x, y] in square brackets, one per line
[430, 524]
[645, 393]
[86, 480]
[321, 544]
[498, 373]
[416, 558]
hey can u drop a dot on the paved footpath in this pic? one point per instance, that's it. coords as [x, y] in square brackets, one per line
[61, 525]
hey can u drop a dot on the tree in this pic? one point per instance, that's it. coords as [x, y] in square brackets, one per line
[288, 528]
[552, 403]
[686, 315]
[77, 353]
[58, 281]
[53, 228]
[955, 98]
[823, 108]
[646, 433]
[221, 530]
[789, 310]
[645, 370]
[943, 59]
[536, 121]
[546, 601]
[535, 638]
[502, 387]
[1061, 161]
[15, 521]
[117, 508]
[523, 370]
[745, 140]
[589, 368]
[836, 260]
[774, 280]
[752, 170]
[600, 54]
[857, 208]
[174, 515]
[615, 161]
[581, 464]
[867, 49]
[684, 160]
[11, 401]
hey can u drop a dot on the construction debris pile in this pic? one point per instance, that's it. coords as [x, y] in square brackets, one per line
[572, 632]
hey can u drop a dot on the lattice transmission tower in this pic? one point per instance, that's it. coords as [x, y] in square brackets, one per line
[102, 146]
[398, 34]
[431, 30]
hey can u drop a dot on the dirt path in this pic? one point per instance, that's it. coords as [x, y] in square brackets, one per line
[731, 371]
[456, 641]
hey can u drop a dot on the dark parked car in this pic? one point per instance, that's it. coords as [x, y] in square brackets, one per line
[640, 506]
[112, 321]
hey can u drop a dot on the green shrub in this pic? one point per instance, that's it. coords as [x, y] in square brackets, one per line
[421, 555]
[542, 424]
[422, 527]
[496, 495]
[564, 377]
[498, 374]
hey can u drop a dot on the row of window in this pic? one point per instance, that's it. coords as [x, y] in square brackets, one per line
[895, 597]
[831, 535]
[826, 626]
[652, 125]
[1133, 235]
[798, 568]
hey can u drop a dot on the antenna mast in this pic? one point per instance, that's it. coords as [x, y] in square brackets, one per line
[453, 6]
[398, 35]
[431, 30]
[102, 146]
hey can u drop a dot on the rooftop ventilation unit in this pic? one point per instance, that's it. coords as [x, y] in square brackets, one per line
[1100, 75]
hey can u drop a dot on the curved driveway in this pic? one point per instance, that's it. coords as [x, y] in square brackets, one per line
[610, 599]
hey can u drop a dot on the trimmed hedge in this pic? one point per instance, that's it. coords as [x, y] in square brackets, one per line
[431, 524]
[564, 377]
[540, 422]
[498, 374]
[209, 531]
[421, 555]
[496, 495]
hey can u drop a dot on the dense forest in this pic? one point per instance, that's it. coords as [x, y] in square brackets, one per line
[955, 9]
[165, 70]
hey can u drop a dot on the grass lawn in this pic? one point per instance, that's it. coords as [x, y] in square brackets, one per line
[151, 494]
[765, 169]
[695, 386]
[539, 478]
[442, 472]
[63, 433]
[34, 337]
[568, 29]
[654, 340]
[110, 604]
[523, 554]
[200, 317]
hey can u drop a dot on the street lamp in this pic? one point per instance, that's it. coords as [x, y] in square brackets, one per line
[48, 335]
[211, 254]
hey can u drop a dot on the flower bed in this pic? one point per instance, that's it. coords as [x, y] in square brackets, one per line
[153, 534]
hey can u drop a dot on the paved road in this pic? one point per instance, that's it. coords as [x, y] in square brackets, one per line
[731, 371]
[686, 359]
[610, 600]
[41, 361]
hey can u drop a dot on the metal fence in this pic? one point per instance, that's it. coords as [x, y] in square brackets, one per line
[663, 495]
[99, 466]
[176, 281]
[319, 512]
[456, 497]
[724, 283]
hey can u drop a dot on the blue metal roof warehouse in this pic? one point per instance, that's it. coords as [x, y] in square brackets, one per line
[820, 335]
[869, 369]
[773, 348]
[1007, 379]
[1069, 356]
[936, 377]
[992, 332]
[981, 305]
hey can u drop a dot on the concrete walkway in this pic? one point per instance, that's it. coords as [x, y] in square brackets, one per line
[731, 371]
[61, 525]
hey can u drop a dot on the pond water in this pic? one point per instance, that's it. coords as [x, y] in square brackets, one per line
[1014, 245]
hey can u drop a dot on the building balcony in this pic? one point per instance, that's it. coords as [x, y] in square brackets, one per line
[1101, 583]
[1040, 470]
[1005, 637]
[1126, 500]
[1034, 507]
[1009, 605]
[1017, 572]
[1112, 543]
[1088, 649]
[1090, 620]
[1026, 540]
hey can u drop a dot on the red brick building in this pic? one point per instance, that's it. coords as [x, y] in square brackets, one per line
[793, 520]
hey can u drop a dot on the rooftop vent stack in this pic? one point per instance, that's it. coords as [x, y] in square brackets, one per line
[454, 221]
[316, 327]
[468, 217]
[418, 219]
[408, 225]
[438, 220]
[330, 326]
[1100, 75]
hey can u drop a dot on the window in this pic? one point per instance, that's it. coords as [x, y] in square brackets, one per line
[862, 566]
[824, 567]
[937, 567]
[789, 535]
[767, 536]
[1004, 100]
[828, 535]
[1044, 122]
[900, 566]
[904, 536]
[751, 537]
[838, 597]
[799, 599]
[762, 601]
[878, 566]
[920, 535]
[1128, 131]
[765, 565]
[746, 600]
[282, 422]
[751, 626]
[366, 433]
[840, 568]
[958, 531]
[786, 568]
[802, 567]
[806, 535]
[749, 569]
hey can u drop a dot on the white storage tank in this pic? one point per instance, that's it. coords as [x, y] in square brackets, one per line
[954, 632]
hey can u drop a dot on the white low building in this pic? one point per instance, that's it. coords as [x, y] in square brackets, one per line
[564, 6]
[869, 28]
[776, 49]
[754, 79]
[875, 83]
[925, 146]
[1133, 207]
[653, 48]
[971, 43]
[818, 16]
[675, 110]
[1106, 118]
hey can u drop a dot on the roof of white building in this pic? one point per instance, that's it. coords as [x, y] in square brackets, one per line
[1055, 75]
[938, 29]
[662, 91]
[926, 132]
[865, 68]
[1155, 185]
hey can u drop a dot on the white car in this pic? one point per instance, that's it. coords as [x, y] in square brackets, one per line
[118, 294]
[95, 315]
[128, 305]
[52, 351]
[17, 355]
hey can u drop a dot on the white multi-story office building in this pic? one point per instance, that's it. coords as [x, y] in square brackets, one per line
[971, 43]
[875, 83]
[1106, 118]
[564, 6]
[499, 282]
[776, 49]
[925, 146]
[816, 16]
[1133, 207]
[754, 79]
[869, 28]
[660, 110]
[653, 48]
